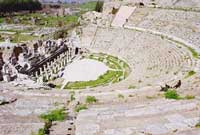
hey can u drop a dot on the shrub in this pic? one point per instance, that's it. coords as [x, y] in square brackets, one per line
[99, 6]
[80, 107]
[55, 115]
[91, 99]
[114, 11]
[172, 94]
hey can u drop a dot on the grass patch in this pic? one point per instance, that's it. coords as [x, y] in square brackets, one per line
[121, 96]
[131, 87]
[150, 97]
[54, 115]
[46, 20]
[41, 131]
[88, 6]
[172, 94]
[190, 73]
[19, 37]
[119, 70]
[103, 79]
[197, 125]
[189, 97]
[2, 19]
[194, 53]
[72, 97]
[80, 107]
[91, 99]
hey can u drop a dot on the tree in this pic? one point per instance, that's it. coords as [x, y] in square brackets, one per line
[99, 6]
[8, 6]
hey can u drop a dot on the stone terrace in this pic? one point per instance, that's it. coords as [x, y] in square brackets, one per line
[153, 60]
[167, 117]
[182, 24]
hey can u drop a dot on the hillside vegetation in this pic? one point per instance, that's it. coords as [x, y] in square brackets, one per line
[19, 5]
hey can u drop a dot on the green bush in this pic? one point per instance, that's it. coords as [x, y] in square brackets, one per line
[80, 107]
[172, 94]
[90, 99]
[55, 115]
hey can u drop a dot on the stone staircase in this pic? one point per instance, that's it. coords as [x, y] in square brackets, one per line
[160, 116]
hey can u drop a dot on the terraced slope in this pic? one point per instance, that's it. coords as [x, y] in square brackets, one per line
[182, 24]
[153, 59]
[154, 117]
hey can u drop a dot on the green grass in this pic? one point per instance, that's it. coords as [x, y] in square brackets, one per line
[58, 86]
[48, 20]
[112, 62]
[88, 6]
[45, 129]
[80, 107]
[91, 99]
[41, 131]
[2, 19]
[189, 97]
[54, 115]
[103, 79]
[53, 21]
[194, 53]
[190, 73]
[131, 87]
[119, 70]
[72, 97]
[120, 96]
[197, 125]
[172, 94]
[19, 37]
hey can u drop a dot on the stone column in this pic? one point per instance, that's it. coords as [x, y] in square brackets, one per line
[36, 74]
[54, 69]
[51, 74]
[47, 75]
[41, 72]
[64, 61]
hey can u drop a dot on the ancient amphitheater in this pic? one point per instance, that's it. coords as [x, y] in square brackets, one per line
[140, 48]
